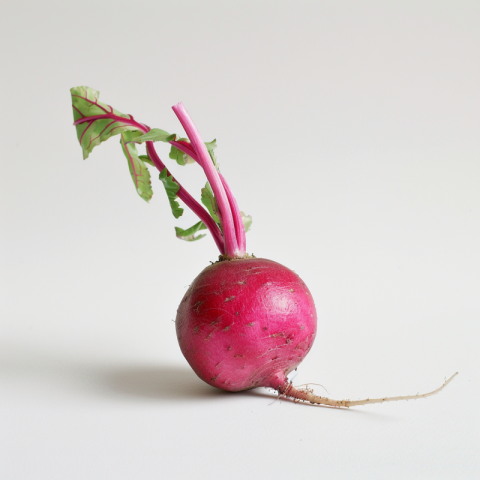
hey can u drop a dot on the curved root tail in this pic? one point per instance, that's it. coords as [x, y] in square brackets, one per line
[309, 396]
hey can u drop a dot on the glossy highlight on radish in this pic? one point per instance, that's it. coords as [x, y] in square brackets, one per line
[244, 322]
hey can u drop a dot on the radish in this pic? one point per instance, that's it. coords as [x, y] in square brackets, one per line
[244, 322]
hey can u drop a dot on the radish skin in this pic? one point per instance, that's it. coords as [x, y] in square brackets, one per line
[246, 323]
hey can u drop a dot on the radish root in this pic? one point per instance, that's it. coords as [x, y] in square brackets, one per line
[308, 396]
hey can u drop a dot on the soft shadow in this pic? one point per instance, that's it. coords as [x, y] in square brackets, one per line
[62, 373]
[162, 382]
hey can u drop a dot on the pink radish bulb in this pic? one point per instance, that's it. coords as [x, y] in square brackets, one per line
[244, 322]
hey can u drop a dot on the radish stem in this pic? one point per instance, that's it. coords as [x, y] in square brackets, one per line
[231, 247]
[189, 201]
[237, 217]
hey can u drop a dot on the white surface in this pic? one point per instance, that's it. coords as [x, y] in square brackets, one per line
[348, 132]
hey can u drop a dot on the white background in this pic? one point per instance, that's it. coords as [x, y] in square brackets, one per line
[348, 130]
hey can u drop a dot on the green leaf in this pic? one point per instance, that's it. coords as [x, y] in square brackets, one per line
[155, 135]
[180, 157]
[211, 146]
[208, 199]
[91, 133]
[247, 221]
[171, 187]
[177, 155]
[138, 170]
[146, 159]
[189, 234]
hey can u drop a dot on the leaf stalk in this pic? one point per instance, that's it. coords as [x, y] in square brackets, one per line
[232, 249]
[183, 194]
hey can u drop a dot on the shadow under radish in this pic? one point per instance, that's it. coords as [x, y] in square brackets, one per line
[158, 382]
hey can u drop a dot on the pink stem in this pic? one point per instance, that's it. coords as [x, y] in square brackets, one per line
[189, 201]
[187, 149]
[118, 118]
[231, 247]
[237, 217]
